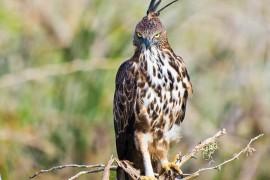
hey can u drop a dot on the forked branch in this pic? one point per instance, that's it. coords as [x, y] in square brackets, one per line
[182, 160]
[113, 163]
[248, 150]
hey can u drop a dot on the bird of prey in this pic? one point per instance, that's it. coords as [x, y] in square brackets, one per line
[150, 98]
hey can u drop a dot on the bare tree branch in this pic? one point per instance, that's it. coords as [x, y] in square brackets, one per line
[248, 150]
[182, 160]
[249, 170]
[94, 168]
[85, 172]
[135, 174]
[106, 174]
[125, 165]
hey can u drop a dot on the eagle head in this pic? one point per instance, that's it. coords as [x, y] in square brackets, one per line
[150, 31]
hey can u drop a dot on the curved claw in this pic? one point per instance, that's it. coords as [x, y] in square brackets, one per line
[172, 168]
[177, 158]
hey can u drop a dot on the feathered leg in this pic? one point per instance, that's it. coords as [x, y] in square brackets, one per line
[142, 142]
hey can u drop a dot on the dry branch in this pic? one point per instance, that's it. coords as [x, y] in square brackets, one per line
[85, 172]
[248, 150]
[182, 160]
[135, 174]
[93, 168]
[125, 165]
[106, 174]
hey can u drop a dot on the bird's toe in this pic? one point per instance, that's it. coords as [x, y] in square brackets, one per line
[172, 169]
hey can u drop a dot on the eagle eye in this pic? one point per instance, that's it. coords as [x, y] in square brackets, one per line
[157, 35]
[139, 35]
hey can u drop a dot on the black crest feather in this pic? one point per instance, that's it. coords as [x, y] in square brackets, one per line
[154, 5]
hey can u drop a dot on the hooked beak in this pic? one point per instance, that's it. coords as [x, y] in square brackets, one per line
[147, 42]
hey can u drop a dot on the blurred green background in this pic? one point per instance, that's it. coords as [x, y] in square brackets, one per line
[58, 60]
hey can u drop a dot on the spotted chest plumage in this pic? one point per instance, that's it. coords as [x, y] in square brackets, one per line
[162, 91]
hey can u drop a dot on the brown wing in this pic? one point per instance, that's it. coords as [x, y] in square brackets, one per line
[188, 92]
[185, 75]
[124, 118]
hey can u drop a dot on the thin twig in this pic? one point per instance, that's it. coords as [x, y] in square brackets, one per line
[85, 172]
[182, 160]
[99, 167]
[248, 149]
[112, 168]
[106, 174]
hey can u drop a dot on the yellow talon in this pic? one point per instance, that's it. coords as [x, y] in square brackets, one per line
[172, 167]
[177, 157]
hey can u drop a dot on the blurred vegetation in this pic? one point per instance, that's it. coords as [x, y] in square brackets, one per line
[58, 60]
